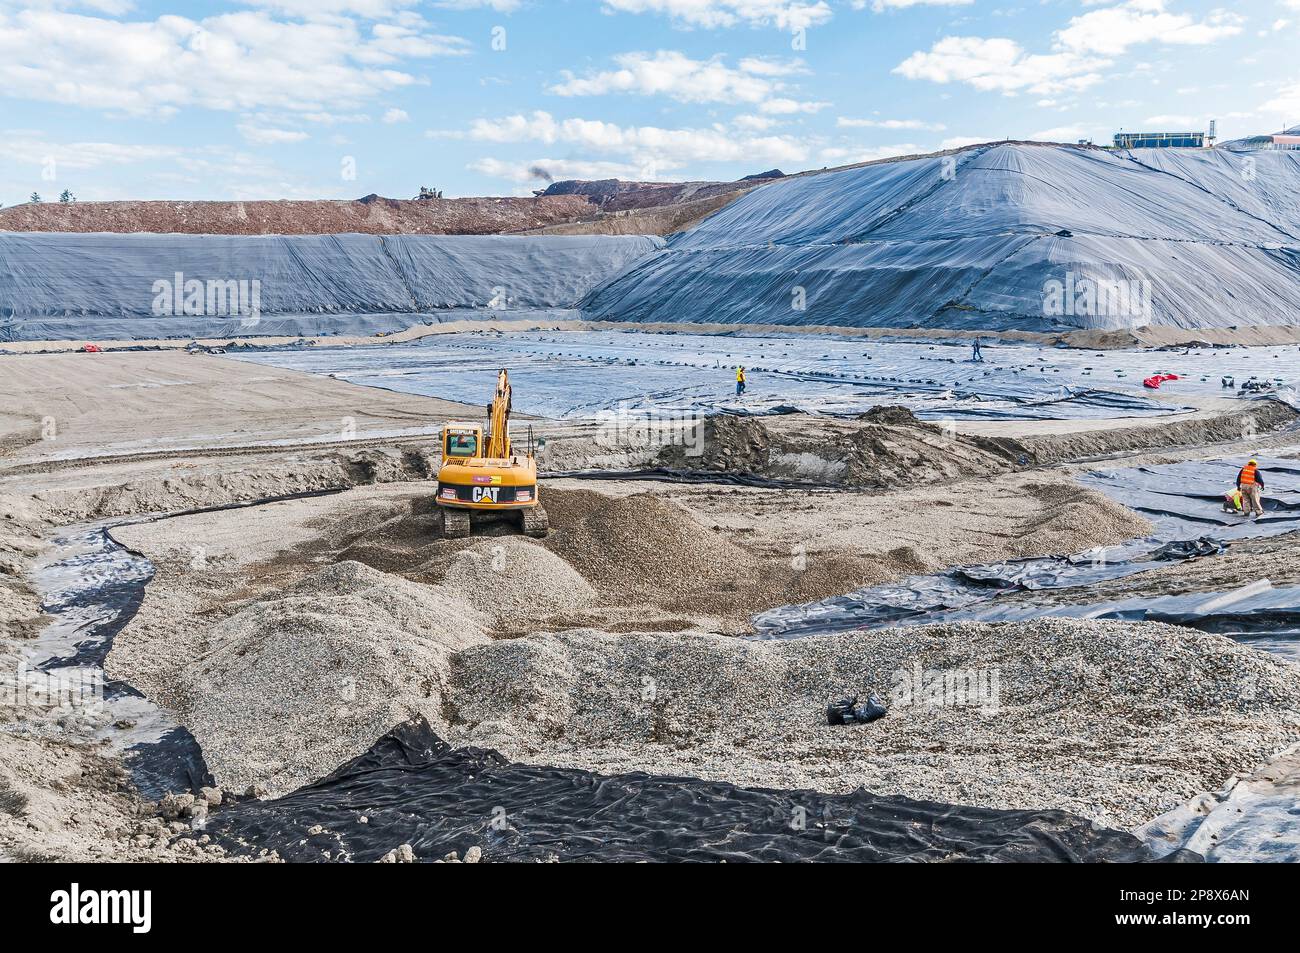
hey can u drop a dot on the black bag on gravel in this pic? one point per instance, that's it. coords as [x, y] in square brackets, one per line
[849, 711]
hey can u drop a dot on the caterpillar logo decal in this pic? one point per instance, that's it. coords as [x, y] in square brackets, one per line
[486, 494]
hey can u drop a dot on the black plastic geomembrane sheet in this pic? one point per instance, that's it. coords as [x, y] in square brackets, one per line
[1182, 500]
[414, 789]
[1185, 499]
[971, 240]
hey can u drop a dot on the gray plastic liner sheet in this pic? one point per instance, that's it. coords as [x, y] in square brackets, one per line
[103, 285]
[414, 789]
[1250, 820]
[970, 240]
[1182, 500]
[574, 374]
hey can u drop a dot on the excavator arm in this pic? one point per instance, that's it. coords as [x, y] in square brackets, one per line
[498, 440]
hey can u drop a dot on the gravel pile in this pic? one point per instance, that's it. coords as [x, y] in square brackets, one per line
[643, 547]
[517, 581]
[298, 684]
[1077, 520]
[1114, 721]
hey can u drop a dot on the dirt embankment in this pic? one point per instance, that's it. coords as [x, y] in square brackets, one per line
[1242, 425]
[608, 207]
[885, 447]
[375, 216]
[22, 538]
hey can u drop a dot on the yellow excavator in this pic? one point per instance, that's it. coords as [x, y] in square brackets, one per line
[483, 480]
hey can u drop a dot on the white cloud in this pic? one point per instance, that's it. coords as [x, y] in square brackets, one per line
[544, 171]
[501, 6]
[788, 107]
[323, 118]
[1060, 134]
[23, 148]
[1113, 30]
[851, 155]
[673, 74]
[647, 146]
[999, 65]
[712, 14]
[368, 9]
[113, 8]
[265, 135]
[1285, 106]
[1181, 120]
[1085, 46]
[762, 66]
[880, 6]
[845, 122]
[754, 123]
[396, 115]
[237, 61]
[959, 142]
[222, 172]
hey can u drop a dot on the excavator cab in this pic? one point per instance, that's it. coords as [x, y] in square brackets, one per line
[482, 479]
[461, 442]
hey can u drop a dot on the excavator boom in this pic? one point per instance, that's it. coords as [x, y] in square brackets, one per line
[498, 441]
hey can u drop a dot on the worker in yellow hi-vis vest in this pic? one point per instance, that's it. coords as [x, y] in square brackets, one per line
[740, 381]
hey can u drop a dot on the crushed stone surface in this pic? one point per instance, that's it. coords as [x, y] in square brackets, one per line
[1114, 721]
[292, 687]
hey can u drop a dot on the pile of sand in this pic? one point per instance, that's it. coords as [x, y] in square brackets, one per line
[1076, 519]
[297, 684]
[645, 548]
[1114, 721]
[517, 581]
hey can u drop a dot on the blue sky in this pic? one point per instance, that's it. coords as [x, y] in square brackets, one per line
[266, 99]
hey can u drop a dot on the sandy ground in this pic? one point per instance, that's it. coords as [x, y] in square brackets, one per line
[687, 562]
[73, 405]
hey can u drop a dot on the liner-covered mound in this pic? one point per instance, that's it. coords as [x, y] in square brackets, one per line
[1113, 721]
[971, 240]
[67, 285]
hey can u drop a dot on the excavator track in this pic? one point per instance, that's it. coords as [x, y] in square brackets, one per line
[455, 523]
[535, 522]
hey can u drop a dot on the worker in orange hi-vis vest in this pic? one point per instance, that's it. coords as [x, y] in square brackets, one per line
[1250, 481]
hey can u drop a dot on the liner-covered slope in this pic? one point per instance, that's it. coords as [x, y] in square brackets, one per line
[1204, 239]
[72, 286]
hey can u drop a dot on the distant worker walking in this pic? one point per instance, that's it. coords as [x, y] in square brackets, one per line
[976, 354]
[1250, 481]
[740, 381]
